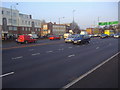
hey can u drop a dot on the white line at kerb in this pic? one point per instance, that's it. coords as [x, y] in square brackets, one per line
[6, 74]
[90, 71]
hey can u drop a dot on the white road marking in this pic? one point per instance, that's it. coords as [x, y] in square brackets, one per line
[49, 51]
[61, 49]
[90, 71]
[69, 47]
[71, 55]
[97, 47]
[18, 57]
[35, 54]
[6, 74]
[77, 46]
[31, 49]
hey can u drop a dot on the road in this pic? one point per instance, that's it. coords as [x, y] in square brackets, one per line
[53, 64]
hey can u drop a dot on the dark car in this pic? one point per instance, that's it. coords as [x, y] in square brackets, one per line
[103, 36]
[81, 39]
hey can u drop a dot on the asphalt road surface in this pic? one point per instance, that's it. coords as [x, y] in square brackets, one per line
[53, 64]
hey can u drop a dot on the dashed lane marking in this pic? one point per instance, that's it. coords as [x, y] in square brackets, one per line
[18, 57]
[31, 49]
[71, 55]
[35, 54]
[97, 47]
[6, 74]
[49, 51]
[61, 49]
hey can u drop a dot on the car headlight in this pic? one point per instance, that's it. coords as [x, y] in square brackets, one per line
[79, 40]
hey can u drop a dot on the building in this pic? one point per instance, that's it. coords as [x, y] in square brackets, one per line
[54, 29]
[59, 29]
[89, 30]
[46, 29]
[15, 23]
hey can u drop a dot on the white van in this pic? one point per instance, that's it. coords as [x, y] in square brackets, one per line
[66, 35]
[34, 36]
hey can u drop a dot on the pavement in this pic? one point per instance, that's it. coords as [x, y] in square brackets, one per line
[55, 64]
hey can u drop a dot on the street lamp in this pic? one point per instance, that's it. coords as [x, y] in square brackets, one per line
[59, 19]
[59, 22]
[73, 19]
[12, 16]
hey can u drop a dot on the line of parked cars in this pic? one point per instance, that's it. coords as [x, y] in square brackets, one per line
[78, 39]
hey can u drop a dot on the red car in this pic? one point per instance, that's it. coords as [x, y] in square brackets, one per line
[25, 39]
[53, 37]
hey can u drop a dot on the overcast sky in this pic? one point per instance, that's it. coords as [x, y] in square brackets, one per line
[86, 13]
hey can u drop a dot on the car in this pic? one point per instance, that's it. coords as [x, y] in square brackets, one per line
[111, 35]
[117, 35]
[81, 39]
[103, 36]
[69, 39]
[96, 35]
[25, 39]
[54, 37]
[66, 35]
[91, 35]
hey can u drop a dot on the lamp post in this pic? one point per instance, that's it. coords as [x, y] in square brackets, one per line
[12, 16]
[73, 19]
[59, 22]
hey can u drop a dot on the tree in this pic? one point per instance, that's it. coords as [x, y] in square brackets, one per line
[74, 26]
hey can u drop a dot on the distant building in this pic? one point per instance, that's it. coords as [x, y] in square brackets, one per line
[58, 29]
[54, 29]
[89, 30]
[46, 29]
[15, 23]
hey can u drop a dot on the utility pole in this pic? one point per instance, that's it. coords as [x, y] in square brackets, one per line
[59, 22]
[73, 20]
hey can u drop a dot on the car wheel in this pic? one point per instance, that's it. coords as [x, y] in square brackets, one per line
[26, 42]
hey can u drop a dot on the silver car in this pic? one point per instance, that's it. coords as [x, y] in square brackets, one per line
[69, 39]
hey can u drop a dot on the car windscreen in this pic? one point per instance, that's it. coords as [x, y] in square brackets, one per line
[78, 36]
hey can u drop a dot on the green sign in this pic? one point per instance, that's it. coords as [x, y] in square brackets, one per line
[108, 23]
